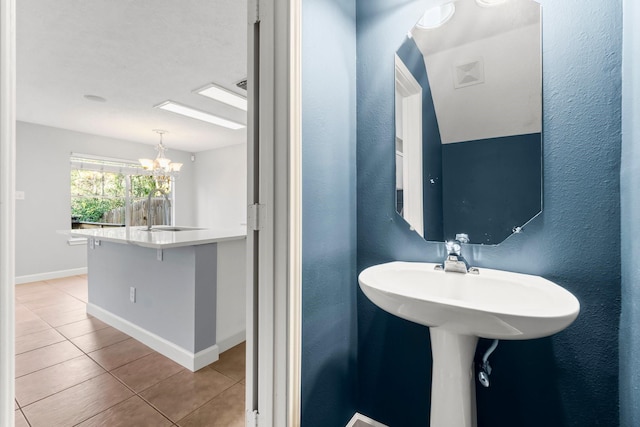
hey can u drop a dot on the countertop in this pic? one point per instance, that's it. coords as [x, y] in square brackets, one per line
[159, 238]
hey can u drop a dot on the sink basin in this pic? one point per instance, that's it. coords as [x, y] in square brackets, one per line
[459, 308]
[493, 304]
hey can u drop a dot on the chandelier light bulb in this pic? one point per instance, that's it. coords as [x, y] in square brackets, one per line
[161, 165]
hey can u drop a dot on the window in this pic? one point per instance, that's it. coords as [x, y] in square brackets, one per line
[114, 193]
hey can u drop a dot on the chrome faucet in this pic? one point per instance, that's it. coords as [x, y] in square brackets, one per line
[166, 211]
[455, 261]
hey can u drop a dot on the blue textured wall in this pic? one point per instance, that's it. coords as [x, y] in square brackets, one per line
[570, 379]
[329, 213]
[491, 186]
[630, 197]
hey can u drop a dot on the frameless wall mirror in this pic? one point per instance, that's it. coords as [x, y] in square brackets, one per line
[468, 82]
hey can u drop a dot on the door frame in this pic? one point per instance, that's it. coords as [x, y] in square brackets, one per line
[7, 209]
[274, 187]
[410, 93]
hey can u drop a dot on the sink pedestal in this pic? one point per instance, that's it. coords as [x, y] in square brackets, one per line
[458, 308]
[453, 391]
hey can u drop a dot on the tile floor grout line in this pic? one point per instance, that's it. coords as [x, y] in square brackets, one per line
[64, 389]
[114, 405]
[115, 367]
[208, 401]
[83, 354]
[100, 348]
[82, 382]
[93, 415]
[154, 408]
[38, 348]
[222, 373]
[88, 333]
[45, 367]
[63, 290]
[135, 393]
[158, 409]
[59, 363]
[47, 306]
[105, 371]
[25, 416]
[110, 371]
[142, 397]
[65, 324]
[51, 306]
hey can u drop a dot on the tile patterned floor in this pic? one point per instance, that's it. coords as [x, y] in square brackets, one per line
[74, 370]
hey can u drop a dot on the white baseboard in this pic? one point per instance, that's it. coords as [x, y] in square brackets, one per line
[189, 360]
[360, 420]
[232, 341]
[202, 358]
[50, 275]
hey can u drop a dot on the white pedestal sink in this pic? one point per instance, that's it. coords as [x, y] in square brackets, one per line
[459, 308]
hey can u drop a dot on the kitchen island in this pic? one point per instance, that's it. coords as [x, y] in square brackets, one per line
[163, 286]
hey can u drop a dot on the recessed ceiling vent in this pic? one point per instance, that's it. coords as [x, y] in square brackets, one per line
[242, 84]
[468, 74]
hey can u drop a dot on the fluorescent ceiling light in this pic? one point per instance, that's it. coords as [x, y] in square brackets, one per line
[489, 3]
[436, 16]
[174, 107]
[223, 95]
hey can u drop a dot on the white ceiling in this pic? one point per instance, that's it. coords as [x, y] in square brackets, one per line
[136, 54]
[472, 22]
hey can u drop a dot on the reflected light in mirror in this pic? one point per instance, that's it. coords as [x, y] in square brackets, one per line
[436, 16]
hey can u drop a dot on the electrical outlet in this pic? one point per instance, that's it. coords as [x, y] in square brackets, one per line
[132, 294]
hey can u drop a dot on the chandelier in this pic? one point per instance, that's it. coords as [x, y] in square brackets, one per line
[161, 166]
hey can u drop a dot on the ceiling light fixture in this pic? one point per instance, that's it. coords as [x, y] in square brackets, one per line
[174, 107]
[161, 166]
[489, 3]
[436, 16]
[95, 98]
[223, 95]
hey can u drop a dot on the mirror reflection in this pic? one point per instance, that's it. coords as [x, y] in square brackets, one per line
[468, 93]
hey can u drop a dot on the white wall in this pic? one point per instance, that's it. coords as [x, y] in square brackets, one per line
[221, 187]
[231, 301]
[42, 172]
[221, 202]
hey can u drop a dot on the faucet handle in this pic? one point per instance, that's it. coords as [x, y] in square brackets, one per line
[453, 247]
[462, 237]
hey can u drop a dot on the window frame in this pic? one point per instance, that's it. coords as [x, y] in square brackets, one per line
[126, 167]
